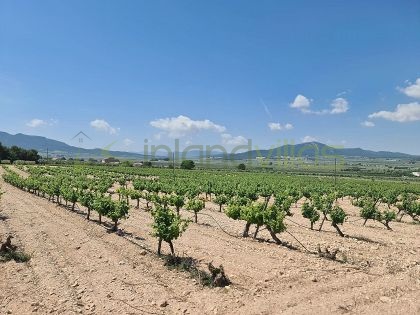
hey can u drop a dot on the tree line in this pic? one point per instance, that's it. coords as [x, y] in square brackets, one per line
[15, 153]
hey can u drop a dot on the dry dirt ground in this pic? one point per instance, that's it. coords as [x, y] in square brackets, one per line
[78, 267]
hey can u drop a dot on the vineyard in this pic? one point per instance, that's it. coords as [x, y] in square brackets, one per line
[196, 220]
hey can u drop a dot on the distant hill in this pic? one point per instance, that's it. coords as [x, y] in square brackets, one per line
[308, 150]
[58, 148]
[313, 149]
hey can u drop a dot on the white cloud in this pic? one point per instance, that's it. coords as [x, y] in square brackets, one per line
[35, 123]
[275, 126]
[127, 142]
[301, 102]
[412, 90]
[278, 126]
[368, 124]
[308, 139]
[181, 126]
[403, 113]
[228, 139]
[102, 125]
[339, 105]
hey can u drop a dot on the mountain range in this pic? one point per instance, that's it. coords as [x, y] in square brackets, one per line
[308, 150]
[57, 148]
[312, 149]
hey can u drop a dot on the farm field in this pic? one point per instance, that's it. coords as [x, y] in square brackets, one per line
[209, 157]
[83, 267]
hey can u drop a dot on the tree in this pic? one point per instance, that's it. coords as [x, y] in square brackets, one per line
[123, 193]
[253, 213]
[209, 190]
[69, 195]
[148, 196]
[371, 212]
[221, 200]
[309, 212]
[195, 205]
[386, 217]
[177, 201]
[390, 198]
[368, 211]
[233, 210]
[3, 152]
[167, 226]
[274, 222]
[86, 200]
[118, 210]
[338, 216]
[260, 214]
[135, 195]
[410, 206]
[187, 165]
[242, 167]
[102, 205]
[15, 153]
[323, 204]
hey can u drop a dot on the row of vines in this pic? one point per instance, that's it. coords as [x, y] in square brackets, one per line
[262, 200]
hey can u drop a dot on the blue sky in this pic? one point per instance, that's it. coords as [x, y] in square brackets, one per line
[213, 72]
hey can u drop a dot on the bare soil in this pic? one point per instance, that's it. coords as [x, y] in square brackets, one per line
[79, 267]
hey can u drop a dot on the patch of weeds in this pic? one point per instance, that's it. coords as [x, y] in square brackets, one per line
[216, 277]
[9, 252]
[19, 257]
[332, 254]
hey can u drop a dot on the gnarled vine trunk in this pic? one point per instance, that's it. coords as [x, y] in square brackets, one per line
[274, 236]
[246, 230]
[338, 229]
[256, 231]
[322, 222]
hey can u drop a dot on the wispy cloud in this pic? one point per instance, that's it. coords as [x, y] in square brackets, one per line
[266, 109]
[368, 124]
[277, 126]
[339, 105]
[343, 93]
[103, 125]
[36, 123]
[182, 125]
[403, 113]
